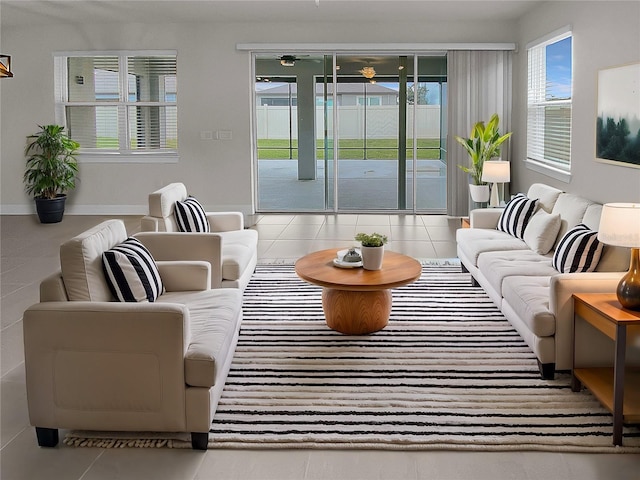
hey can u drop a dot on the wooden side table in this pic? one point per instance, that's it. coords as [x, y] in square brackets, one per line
[617, 388]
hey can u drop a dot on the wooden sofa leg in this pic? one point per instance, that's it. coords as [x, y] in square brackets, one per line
[199, 440]
[47, 437]
[547, 370]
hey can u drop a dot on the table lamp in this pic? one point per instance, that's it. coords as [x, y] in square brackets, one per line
[620, 226]
[496, 171]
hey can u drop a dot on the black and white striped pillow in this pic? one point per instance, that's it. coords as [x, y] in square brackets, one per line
[191, 216]
[578, 251]
[516, 215]
[131, 272]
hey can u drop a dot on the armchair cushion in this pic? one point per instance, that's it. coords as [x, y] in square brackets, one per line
[191, 217]
[81, 261]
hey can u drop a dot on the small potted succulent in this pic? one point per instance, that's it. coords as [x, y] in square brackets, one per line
[51, 170]
[372, 249]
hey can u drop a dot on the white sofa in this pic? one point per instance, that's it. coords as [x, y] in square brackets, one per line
[530, 292]
[93, 363]
[235, 255]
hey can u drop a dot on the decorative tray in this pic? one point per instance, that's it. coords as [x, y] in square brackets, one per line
[338, 262]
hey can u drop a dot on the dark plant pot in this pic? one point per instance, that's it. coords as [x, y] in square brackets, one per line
[51, 210]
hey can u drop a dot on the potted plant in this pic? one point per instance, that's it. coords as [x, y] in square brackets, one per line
[51, 170]
[372, 249]
[483, 144]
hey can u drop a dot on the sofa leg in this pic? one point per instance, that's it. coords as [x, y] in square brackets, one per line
[547, 370]
[463, 268]
[47, 437]
[474, 282]
[199, 440]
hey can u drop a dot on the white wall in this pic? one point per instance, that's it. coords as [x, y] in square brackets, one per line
[605, 34]
[214, 94]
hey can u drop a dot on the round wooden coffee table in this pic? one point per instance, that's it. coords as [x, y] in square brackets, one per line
[355, 300]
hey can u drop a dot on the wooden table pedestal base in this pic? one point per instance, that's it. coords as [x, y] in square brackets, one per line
[356, 312]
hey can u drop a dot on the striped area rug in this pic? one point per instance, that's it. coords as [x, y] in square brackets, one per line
[448, 372]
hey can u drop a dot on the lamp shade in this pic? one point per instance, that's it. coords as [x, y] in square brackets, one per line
[496, 171]
[620, 224]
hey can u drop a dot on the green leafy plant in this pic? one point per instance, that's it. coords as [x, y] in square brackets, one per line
[371, 239]
[51, 164]
[483, 144]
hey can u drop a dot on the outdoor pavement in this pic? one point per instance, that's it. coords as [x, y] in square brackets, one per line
[363, 185]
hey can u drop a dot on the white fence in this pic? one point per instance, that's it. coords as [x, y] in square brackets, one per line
[381, 121]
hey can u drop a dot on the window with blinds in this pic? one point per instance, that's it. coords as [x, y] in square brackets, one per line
[550, 78]
[117, 103]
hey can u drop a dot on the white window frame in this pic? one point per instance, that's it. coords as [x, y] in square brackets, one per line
[123, 154]
[536, 97]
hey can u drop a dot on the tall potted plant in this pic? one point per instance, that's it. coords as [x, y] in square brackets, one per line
[483, 144]
[51, 170]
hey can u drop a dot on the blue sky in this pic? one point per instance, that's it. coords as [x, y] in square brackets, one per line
[558, 68]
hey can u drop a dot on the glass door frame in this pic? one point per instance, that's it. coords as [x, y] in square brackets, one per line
[332, 205]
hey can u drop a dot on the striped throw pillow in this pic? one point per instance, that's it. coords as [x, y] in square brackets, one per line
[131, 272]
[516, 215]
[578, 251]
[191, 216]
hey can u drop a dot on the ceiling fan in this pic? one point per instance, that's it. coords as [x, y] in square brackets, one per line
[288, 60]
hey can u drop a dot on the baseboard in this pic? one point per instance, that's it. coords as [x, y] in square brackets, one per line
[22, 209]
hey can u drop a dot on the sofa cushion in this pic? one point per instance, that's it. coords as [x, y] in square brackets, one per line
[516, 215]
[191, 217]
[529, 299]
[498, 266]
[541, 232]
[238, 247]
[474, 241]
[131, 272]
[81, 261]
[545, 194]
[214, 318]
[572, 210]
[578, 251]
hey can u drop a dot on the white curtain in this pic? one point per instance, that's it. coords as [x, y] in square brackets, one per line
[479, 84]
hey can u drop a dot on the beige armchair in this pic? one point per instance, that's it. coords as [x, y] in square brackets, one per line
[96, 364]
[233, 260]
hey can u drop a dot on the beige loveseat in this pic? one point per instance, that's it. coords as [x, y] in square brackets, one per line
[519, 277]
[93, 363]
[235, 255]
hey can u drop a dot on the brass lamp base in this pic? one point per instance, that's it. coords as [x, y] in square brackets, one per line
[629, 287]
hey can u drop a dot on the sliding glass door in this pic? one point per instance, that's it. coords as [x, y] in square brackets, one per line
[350, 133]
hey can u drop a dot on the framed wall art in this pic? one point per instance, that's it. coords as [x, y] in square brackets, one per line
[618, 122]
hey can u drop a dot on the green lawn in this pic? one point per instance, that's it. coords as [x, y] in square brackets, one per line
[351, 149]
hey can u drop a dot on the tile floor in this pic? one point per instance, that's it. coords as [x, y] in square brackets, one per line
[30, 252]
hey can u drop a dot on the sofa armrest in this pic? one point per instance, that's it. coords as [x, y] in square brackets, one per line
[168, 246]
[485, 217]
[180, 275]
[99, 365]
[149, 224]
[225, 221]
[562, 287]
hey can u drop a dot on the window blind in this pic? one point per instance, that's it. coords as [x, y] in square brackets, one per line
[120, 103]
[549, 101]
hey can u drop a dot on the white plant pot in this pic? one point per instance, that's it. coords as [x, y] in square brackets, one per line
[372, 257]
[479, 193]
